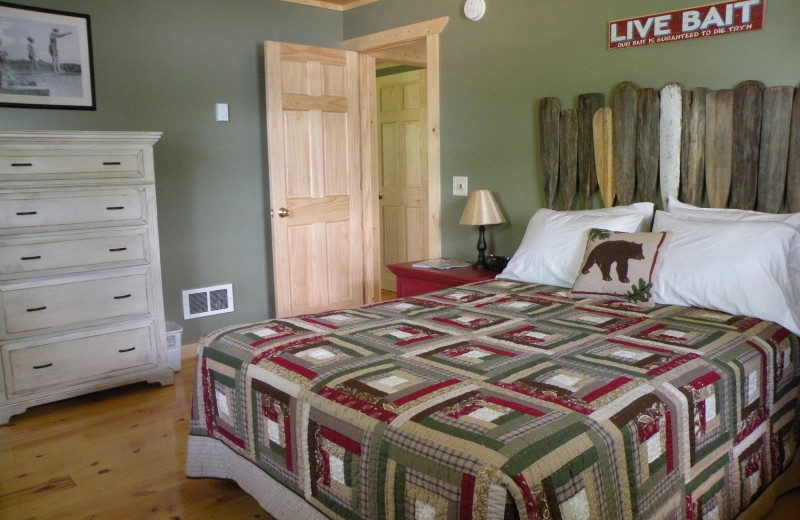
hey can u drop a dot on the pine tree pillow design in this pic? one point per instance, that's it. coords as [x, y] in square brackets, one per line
[619, 266]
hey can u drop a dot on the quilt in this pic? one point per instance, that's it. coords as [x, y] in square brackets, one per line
[503, 399]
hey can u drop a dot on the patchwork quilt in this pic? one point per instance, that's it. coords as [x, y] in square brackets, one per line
[502, 399]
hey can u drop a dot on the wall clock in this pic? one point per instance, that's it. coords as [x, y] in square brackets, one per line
[474, 9]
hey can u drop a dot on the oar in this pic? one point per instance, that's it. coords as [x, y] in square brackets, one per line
[549, 114]
[747, 110]
[588, 104]
[693, 169]
[603, 127]
[670, 149]
[568, 157]
[774, 153]
[648, 111]
[793, 168]
[625, 141]
[719, 143]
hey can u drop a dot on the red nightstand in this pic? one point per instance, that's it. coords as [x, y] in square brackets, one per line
[412, 281]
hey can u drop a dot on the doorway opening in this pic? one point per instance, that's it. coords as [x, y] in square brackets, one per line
[417, 215]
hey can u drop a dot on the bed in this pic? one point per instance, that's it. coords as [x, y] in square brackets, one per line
[628, 363]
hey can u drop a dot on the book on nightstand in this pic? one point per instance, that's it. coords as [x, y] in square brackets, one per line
[441, 263]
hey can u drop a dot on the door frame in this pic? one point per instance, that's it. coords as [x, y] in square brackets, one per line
[419, 44]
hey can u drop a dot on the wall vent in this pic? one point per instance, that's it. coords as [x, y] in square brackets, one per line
[207, 301]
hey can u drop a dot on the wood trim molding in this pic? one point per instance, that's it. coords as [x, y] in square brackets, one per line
[396, 37]
[336, 5]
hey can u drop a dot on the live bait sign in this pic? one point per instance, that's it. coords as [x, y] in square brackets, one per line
[687, 24]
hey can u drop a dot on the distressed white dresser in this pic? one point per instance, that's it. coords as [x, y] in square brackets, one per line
[80, 278]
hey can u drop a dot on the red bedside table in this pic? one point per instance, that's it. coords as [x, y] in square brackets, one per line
[412, 281]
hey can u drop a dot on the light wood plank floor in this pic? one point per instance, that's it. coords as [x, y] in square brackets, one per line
[120, 455]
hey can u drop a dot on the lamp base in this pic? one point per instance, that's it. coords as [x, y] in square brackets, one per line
[481, 263]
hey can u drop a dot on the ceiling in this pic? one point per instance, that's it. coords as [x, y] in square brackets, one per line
[337, 5]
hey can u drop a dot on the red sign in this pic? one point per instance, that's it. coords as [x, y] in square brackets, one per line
[687, 24]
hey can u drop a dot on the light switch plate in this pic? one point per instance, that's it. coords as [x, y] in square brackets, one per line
[222, 112]
[460, 186]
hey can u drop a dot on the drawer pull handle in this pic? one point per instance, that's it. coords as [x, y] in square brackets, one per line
[19, 164]
[111, 163]
[37, 367]
[24, 213]
[123, 350]
[37, 309]
[37, 257]
[114, 208]
[117, 249]
[122, 297]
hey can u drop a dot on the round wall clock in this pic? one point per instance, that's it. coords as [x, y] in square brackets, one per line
[474, 9]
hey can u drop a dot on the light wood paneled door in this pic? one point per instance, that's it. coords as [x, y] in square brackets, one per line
[402, 141]
[315, 177]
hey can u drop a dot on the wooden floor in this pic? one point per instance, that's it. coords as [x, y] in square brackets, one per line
[120, 455]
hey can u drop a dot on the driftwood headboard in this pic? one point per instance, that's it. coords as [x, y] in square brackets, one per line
[737, 148]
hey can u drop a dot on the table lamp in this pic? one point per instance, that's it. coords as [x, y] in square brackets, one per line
[481, 210]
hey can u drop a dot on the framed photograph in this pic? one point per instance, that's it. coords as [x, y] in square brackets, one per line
[45, 59]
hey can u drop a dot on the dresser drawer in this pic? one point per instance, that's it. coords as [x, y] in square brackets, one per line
[74, 304]
[63, 252]
[41, 366]
[77, 164]
[72, 209]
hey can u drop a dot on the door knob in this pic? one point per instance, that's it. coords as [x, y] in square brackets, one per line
[284, 212]
[380, 195]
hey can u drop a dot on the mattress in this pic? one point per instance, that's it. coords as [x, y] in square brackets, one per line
[499, 399]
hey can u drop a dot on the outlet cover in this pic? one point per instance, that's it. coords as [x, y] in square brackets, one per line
[460, 186]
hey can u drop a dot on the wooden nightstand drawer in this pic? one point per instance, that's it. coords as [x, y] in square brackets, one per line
[412, 281]
[31, 255]
[75, 304]
[29, 211]
[46, 365]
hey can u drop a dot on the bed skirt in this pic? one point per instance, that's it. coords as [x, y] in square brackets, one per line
[209, 457]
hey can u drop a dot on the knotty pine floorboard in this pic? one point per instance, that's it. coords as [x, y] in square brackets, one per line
[120, 455]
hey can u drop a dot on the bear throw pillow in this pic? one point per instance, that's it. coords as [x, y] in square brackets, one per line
[619, 266]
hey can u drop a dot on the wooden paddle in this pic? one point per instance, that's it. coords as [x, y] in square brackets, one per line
[719, 143]
[774, 153]
[603, 130]
[568, 157]
[793, 167]
[648, 111]
[693, 168]
[747, 110]
[588, 104]
[670, 149]
[625, 141]
[549, 115]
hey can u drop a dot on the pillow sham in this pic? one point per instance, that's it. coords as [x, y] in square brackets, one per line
[552, 249]
[634, 257]
[681, 208]
[746, 268]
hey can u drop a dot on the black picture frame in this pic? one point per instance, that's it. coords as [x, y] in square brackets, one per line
[45, 59]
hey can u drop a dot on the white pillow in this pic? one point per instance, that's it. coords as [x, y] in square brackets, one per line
[552, 249]
[681, 208]
[744, 268]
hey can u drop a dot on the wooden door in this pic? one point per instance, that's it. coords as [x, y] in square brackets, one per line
[403, 174]
[314, 178]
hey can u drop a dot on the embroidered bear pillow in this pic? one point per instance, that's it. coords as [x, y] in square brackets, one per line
[619, 266]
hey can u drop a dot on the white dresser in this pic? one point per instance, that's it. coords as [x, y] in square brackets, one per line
[80, 276]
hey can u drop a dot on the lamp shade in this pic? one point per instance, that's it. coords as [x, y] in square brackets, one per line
[481, 210]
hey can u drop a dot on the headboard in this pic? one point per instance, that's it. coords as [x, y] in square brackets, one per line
[737, 148]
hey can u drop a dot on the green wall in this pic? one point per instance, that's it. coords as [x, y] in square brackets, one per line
[494, 71]
[162, 64]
